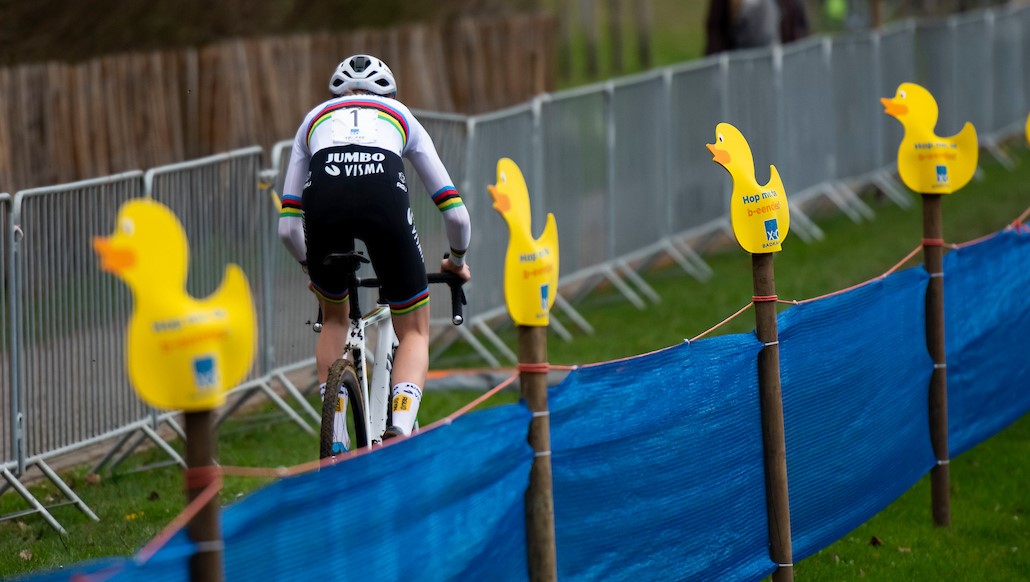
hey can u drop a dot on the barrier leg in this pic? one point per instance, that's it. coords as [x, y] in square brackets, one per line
[66, 490]
[37, 507]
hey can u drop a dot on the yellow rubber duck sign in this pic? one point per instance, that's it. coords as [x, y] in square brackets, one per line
[759, 214]
[927, 163]
[530, 265]
[182, 353]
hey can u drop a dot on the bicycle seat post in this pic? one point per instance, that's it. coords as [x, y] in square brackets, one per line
[350, 262]
[352, 294]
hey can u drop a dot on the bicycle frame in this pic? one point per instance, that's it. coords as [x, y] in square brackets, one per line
[377, 388]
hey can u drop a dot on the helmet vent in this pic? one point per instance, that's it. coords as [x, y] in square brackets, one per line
[360, 64]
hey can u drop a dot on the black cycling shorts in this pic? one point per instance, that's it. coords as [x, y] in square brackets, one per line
[358, 192]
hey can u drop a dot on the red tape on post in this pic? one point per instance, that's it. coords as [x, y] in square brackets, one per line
[201, 477]
[933, 242]
[764, 298]
[534, 368]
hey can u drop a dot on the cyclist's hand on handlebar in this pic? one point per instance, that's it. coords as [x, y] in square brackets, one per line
[462, 271]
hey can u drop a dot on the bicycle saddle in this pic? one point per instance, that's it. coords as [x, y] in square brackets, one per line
[351, 260]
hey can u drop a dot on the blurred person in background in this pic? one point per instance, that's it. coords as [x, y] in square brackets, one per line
[793, 21]
[741, 24]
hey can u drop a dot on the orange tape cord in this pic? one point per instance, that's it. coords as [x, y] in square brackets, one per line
[200, 477]
[542, 368]
[436, 374]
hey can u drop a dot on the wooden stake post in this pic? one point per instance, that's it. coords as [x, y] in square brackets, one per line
[205, 528]
[933, 258]
[540, 537]
[774, 445]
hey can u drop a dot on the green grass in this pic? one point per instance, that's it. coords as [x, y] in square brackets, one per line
[989, 538]
[990, 498]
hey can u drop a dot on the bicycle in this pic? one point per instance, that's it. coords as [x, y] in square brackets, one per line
[369, 398]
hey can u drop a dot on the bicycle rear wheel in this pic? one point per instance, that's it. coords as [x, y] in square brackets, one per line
[341, 373]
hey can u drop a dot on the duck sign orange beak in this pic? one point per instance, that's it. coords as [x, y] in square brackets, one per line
[113, 259]
[892, 107]
[718, 156]
[501, 202]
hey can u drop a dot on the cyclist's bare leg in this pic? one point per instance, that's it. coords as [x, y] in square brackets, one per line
[330, 343]
[410, 366]
[411, 363]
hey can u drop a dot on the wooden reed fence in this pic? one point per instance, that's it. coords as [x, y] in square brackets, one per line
[64, 122]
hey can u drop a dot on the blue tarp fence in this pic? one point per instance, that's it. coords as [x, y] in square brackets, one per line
[657, 459]
[987, 327]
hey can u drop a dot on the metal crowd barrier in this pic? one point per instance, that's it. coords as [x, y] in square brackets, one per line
[66, 329]
[621, 164]
[8, 410]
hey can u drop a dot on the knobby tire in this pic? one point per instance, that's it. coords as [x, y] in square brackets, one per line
[341, 372]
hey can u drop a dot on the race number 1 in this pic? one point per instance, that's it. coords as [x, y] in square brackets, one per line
[355, 125]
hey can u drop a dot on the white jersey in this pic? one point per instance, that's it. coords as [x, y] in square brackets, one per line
[371, 121]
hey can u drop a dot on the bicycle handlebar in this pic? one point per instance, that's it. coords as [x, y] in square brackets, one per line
[457, 293]
[452, 280]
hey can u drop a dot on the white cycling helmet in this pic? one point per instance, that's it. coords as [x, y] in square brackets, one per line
[363, 72]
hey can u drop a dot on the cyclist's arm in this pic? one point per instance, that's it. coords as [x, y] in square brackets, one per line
[422, 153]
[291, 224]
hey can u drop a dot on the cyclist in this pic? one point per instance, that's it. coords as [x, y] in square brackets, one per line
[346, 180]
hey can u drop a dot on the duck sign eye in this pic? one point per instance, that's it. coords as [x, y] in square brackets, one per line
[720, 138]
[504, 178]
[902, 94]
[128, 226]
